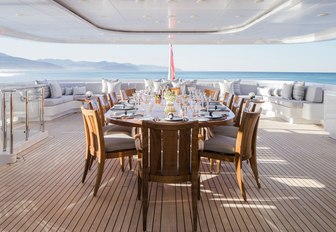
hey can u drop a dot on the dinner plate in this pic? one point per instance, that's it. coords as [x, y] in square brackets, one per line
[122, 107]
[214, 116]
[174, 119]
[202, 119]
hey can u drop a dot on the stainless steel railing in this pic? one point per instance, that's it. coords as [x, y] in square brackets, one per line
[19, 105]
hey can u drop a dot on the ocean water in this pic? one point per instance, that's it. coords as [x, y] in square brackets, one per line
[14, 76]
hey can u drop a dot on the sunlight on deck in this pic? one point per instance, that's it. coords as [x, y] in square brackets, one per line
[299, 182]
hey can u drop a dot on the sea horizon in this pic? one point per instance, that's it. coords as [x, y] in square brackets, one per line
[17, 76]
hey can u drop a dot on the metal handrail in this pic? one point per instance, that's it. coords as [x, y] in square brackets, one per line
[10, 91]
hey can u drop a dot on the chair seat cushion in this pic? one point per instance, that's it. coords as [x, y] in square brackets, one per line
[220, 144]
[111, 128]
[230, 131]
[118, 141]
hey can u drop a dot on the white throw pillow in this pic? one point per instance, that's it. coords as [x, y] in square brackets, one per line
[104, 84]
[230, 86]
[55, 90]
[79, 90]
[113, 86]
[156, 85]
[287, 90]
[148, 84]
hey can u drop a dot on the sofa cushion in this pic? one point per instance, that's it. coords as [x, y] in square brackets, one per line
[245, 89]
[79, 90]
[287, 90]
[53, 101]
[314, 94]
[290, 103]
[55, 90]
[46, 88]
[67, 98]
[299, 90]
[68, 91]
[229, 86]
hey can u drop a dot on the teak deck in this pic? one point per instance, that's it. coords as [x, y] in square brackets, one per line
[297, 168]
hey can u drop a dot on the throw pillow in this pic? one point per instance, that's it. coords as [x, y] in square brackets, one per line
[68, 91]
[156, 85]
[46, 88]
[79, 90]
[287, 90]
[148, 84]
[55, 90]
[113, 86]
[104, 84]
[299, 90]
[230, 86]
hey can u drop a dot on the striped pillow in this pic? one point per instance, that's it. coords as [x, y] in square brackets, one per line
[298, 90]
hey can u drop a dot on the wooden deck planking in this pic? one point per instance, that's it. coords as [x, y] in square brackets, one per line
[43, 191]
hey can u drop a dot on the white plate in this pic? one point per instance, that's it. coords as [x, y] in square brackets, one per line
[121, 107]
[214, 116]
[203, 119]
[174, 119]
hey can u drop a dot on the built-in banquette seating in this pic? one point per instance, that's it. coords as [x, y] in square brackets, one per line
[307, 107]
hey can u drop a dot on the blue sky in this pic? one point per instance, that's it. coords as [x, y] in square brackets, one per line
[310, 57]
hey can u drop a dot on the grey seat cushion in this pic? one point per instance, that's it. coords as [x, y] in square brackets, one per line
[118, 141]
[112, 128]
[230, 131]
[291, 103]
[53, 101]
[67, 98]
[220, 144]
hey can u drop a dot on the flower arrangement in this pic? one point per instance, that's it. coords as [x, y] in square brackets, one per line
[89, 94]
[169, 96]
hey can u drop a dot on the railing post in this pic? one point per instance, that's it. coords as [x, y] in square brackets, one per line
[42, 109]
[4, 122]
[11, 109]
[26, 119]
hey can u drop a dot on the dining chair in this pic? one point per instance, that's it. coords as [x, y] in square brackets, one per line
[176, 90]
[130, 92]
[113, 99]
[238, 149]
[169, 155]
[212, 93]
[101, 147]
[227, 99]
[236, 108]
[232, 130]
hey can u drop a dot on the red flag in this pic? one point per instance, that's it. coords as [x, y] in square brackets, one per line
[172, 67]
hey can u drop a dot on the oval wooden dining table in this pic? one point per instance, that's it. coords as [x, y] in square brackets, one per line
[136, 121]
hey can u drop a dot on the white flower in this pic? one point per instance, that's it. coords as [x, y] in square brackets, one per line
[251, 95]
[89, 94]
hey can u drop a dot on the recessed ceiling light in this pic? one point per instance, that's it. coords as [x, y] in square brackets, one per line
[322, 14]
[238, 16]
[258, 1]
[194, 16]
[199, 1]
[19, 14]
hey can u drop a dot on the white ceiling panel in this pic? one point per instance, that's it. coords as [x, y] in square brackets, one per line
[169, 21]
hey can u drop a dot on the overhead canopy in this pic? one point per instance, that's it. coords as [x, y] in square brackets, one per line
[169, 21]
